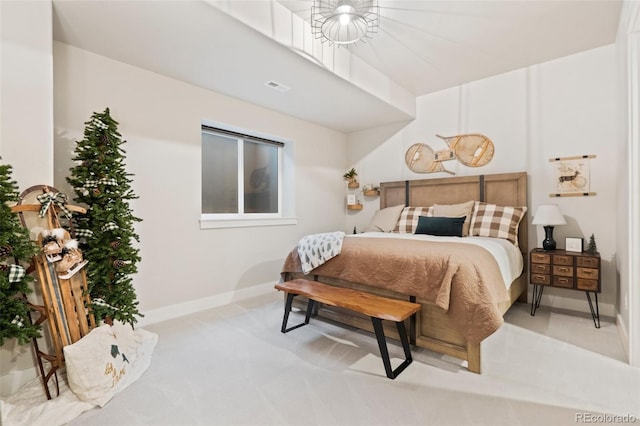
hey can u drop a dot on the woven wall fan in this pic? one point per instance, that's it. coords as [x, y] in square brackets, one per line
[420, 158]
[472, 150]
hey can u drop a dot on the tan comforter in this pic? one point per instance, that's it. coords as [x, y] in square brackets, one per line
[462, 279]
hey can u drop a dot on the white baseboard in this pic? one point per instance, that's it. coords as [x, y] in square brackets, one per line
[181, 309]
[624, 336]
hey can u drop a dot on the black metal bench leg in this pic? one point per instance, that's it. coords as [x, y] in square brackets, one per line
[405, 342]
[384, 352]
[287, 310]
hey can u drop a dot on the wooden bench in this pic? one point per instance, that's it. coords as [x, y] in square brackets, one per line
[377, 307]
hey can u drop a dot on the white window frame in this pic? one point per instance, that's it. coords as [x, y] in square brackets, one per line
[284, 216]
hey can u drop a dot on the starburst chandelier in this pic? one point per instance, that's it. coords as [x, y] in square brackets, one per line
[344, 22]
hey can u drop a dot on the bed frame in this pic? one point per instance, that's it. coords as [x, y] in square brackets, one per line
[432, 329]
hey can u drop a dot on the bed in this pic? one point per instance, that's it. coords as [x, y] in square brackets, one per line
[465, 285]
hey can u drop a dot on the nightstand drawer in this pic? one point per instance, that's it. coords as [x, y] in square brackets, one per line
[587, 285]
[540, 258]
[564, 271]
[540, 268]
[561, 259]
[588, 262]
[566, 282]
[540, 279]
[588, 273]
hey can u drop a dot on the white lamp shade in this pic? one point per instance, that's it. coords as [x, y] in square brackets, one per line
[548, 214]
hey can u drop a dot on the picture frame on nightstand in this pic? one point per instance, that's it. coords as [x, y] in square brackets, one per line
[573, 244]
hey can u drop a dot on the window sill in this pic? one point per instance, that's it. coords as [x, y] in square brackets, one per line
[244, 223]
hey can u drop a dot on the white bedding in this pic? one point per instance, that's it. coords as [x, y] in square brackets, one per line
[508, 256]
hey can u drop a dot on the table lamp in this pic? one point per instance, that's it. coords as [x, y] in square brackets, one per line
[548, 215]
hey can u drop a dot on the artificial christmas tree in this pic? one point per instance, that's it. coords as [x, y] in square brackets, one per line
[106, 232]
[591, 247]
[15, 247]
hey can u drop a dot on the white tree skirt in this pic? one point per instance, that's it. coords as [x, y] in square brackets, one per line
[29, 406]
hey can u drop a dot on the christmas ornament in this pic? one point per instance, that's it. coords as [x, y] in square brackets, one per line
[5, 251]
[51, 242]
[72, 260]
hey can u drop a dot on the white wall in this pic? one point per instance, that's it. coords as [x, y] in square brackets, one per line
[160, 120]
[560, 108]
[26, 88]
[184, 268]
[26, 127]
[628, 319]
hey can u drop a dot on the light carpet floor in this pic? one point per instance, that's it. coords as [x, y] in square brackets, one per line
[231, 366]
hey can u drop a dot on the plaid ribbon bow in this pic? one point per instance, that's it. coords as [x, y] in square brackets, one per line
[84, 233]
[57, 198]
[109, 226]
[99, 124]
[17, 321]
[101, 302]
[16, 273]
[93, 183]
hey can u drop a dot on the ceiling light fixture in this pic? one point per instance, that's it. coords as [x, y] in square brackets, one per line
[344, 22]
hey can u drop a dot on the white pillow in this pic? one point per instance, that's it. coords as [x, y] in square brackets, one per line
[384, 220]
[107, 360]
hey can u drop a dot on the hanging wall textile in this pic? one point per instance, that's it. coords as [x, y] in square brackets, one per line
[572, 176]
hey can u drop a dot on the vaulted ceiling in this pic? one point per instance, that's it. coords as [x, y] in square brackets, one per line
[422, 46]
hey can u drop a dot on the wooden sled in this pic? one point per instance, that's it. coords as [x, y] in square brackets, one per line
[65, 312]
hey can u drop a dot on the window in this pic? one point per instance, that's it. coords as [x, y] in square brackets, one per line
[242, 177]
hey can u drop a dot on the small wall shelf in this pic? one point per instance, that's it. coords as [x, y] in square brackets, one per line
[354, 206]
[371, 193]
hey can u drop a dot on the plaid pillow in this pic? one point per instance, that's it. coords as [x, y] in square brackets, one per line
[408, 221]
[490, 220]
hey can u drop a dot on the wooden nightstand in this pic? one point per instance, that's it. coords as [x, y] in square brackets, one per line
[565, 269]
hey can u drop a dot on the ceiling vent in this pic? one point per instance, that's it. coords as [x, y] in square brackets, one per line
[277, 86]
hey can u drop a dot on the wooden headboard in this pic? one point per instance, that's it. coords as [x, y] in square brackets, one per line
[505, 189]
